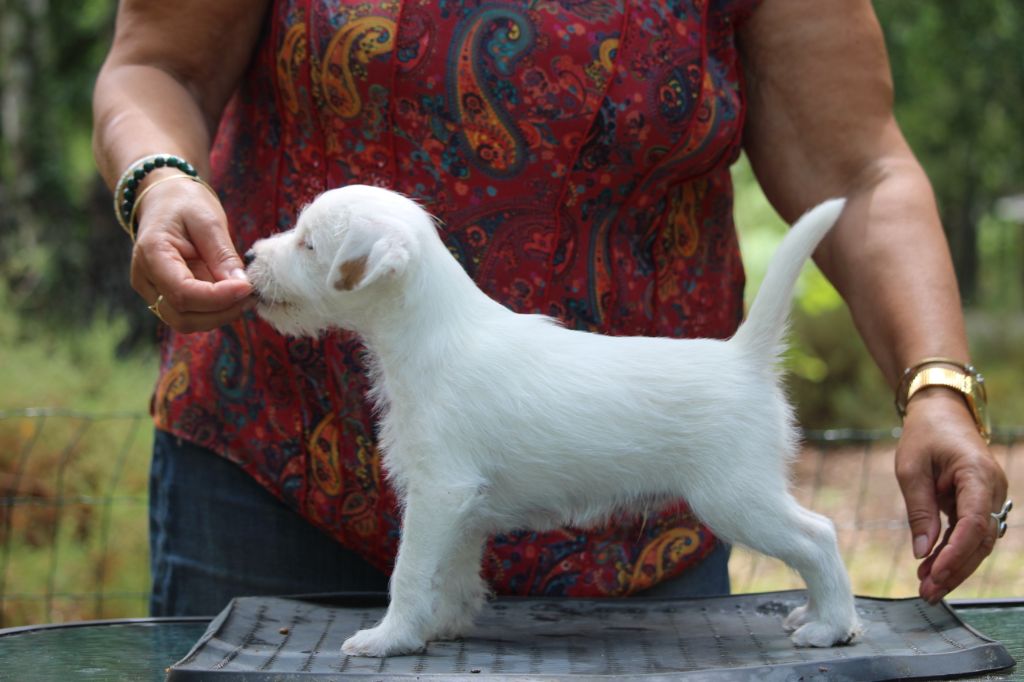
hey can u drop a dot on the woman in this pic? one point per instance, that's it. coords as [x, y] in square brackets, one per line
[577, 154]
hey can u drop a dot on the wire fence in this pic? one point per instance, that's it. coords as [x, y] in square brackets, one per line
[73, 521]
[849, 476]
[73, 518]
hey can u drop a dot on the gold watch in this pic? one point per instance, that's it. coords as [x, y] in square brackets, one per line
[943, 372]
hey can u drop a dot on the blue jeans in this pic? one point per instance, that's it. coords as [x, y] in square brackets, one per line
[216, 534]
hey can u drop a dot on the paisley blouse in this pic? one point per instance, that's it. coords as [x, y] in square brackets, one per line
[577, 152]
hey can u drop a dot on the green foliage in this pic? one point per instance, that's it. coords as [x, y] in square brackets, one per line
[94, 551]
[1000, 285]
[61, 255]
[959, 96]
[79, 482]
[956, 68]
[80, 370]
[996, 343]
[832, 379]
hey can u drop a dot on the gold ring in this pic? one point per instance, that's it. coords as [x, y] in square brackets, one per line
[155, 308]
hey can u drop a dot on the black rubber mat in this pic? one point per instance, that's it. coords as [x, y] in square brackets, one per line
[735, 638]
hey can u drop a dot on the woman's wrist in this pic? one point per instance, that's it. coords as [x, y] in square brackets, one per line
[142, 177]
[949, 378]
[939, 410]
[130, 185]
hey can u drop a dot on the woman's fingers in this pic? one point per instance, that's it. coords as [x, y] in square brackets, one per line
[189, 322]
[163, 266]
[184, 253]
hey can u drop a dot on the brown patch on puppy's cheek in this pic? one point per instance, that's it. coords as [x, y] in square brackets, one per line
[352, 271]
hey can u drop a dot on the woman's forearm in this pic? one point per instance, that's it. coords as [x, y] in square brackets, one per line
[889, 260]
[170, 72]
[820, 125]
[171, 69]
[141, 110]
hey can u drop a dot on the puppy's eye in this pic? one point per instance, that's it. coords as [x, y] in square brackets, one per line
[305, 245]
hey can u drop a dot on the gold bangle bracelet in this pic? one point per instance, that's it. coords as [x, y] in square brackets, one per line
[122, 186]
[131, 228]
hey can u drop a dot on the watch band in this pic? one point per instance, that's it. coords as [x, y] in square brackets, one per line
[962, 378]
[903, 389]
[939, 376]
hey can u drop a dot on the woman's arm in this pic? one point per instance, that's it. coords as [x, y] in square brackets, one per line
[821, 125]
[170, 71]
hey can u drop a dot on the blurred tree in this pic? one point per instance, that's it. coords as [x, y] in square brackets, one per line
[62, 257]
[959, 74]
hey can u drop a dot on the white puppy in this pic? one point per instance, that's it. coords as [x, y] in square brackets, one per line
[493, 421]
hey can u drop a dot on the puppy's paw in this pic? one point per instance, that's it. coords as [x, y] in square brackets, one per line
[797, 617]
[381, 641]
[823, 634]
[449, 634]
[455, 624]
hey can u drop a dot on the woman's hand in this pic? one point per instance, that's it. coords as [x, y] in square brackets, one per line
[183, 252]
[943, 465]
[171, 69]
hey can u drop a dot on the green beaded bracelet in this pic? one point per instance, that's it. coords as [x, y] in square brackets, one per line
[126, 191]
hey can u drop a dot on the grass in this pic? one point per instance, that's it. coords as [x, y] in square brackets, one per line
[75, 370]
[77, 472]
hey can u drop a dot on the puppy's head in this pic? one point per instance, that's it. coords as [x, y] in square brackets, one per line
[344, 251]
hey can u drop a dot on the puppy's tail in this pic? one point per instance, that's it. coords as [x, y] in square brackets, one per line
[763, 331]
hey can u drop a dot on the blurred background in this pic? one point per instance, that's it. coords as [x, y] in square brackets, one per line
[77, 349]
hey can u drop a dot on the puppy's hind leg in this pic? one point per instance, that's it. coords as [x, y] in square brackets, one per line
[765, 517]
[436, 587]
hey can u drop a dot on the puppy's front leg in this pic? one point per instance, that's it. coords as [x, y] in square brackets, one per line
[436, 587]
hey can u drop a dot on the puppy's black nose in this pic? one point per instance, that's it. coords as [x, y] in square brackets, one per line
[249, 257]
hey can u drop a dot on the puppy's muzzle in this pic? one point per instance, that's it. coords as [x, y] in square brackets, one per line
[249, 258]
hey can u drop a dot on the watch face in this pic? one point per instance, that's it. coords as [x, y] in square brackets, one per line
[979, 405]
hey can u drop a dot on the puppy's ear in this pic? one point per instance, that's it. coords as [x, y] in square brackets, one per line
[356, 266]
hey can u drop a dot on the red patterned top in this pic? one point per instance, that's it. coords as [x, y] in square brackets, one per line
[577, 152]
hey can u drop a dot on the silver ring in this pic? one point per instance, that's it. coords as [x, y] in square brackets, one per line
[1001, 518]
